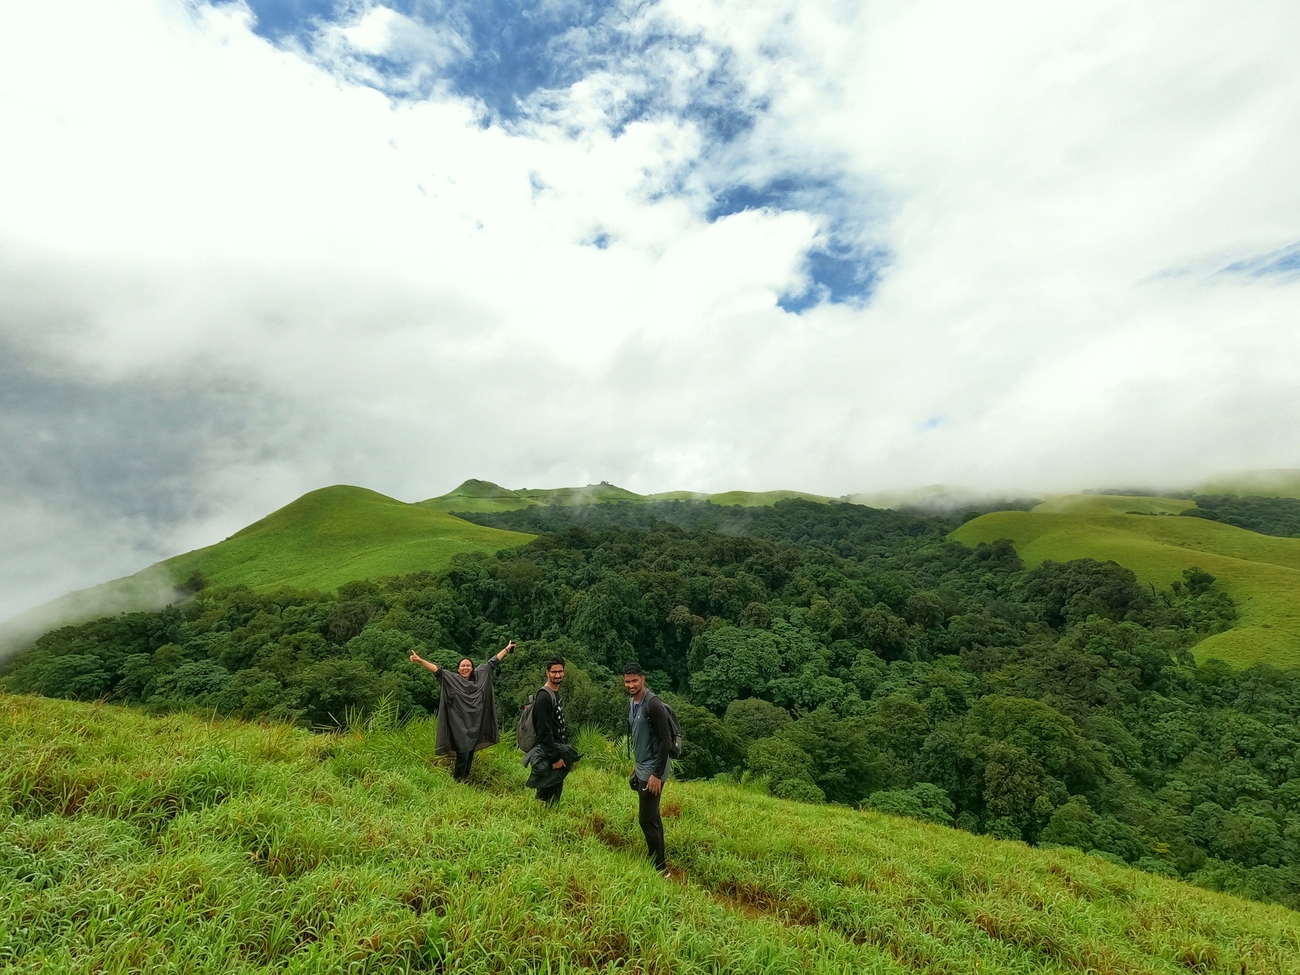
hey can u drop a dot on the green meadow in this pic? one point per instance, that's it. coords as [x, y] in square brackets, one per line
[183, 845]
[1260, 572]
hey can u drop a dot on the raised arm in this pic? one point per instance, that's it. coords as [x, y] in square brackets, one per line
[426, 664]
[505, 650]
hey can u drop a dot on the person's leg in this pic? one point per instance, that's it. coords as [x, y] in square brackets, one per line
[551, 794]
[463, 761]
[653, 827]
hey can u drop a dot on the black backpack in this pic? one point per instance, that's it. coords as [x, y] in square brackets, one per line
[674, 729]
[525, 731]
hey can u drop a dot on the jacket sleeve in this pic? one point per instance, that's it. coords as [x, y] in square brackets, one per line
[658, 718]
[545, 724]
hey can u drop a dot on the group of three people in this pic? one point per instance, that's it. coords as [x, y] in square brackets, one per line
[467, 721]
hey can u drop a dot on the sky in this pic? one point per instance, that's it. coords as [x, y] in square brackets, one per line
[249, 249]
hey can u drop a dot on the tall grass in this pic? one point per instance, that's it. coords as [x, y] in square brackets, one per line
[178, 845]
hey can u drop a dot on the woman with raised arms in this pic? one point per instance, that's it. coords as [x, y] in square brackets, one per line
[467, 713]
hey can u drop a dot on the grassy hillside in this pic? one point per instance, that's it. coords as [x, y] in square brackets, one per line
[322, 540]
[1260, 572]
[176, 844]
[484, 496]
[1112, 504]
[336, 535]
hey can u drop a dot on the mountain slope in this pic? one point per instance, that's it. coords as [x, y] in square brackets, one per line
[320, 541]
[139, 843]
[338, 534]
[1260, 572]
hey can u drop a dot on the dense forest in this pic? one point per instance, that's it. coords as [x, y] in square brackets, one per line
[835, 652]
[1268, 516]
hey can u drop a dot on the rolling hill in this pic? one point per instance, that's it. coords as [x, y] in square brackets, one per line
[320, 541]
[1260, 572]
[338, 534]
[138, 843]
[335, 535]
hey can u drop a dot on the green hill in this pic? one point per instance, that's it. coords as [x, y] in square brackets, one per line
[338, 534]
[484, 496]
[1282, 483]
[332, 536]
[186, 845]
[324, 539]
[1112, 504]
[1260, 572]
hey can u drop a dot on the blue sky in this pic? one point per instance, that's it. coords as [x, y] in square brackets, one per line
[510, 50]
[512, 60]
[251, 249]
[1283, 262]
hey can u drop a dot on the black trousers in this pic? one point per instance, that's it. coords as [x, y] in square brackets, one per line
[652, 825]
[551, 793]
[463, 761]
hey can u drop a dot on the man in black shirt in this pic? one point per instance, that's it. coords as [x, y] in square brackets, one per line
[651, 740]
[553, 757]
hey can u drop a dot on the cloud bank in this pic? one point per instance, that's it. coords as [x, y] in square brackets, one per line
[249, 249]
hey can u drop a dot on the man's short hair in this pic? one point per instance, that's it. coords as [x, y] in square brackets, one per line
[555, 662]
[633, 668]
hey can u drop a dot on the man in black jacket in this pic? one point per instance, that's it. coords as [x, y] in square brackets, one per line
[553, 757]
[651, 740]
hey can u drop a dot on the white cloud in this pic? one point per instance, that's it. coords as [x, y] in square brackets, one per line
[186, 204]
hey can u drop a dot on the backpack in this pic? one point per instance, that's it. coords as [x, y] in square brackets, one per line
[674, 729]
[525, 732]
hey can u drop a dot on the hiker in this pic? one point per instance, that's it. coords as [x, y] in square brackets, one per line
[467, 714]
[552, 758]
[651, 736]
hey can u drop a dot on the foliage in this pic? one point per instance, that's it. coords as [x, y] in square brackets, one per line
[839, 655]
[1268, 516]
[752, 718]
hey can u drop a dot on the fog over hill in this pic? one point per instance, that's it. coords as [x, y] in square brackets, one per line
[250, 249]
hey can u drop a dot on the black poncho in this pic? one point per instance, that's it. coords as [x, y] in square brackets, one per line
[467, 713]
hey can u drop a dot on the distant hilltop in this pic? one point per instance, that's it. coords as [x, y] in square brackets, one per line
[483, 496]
